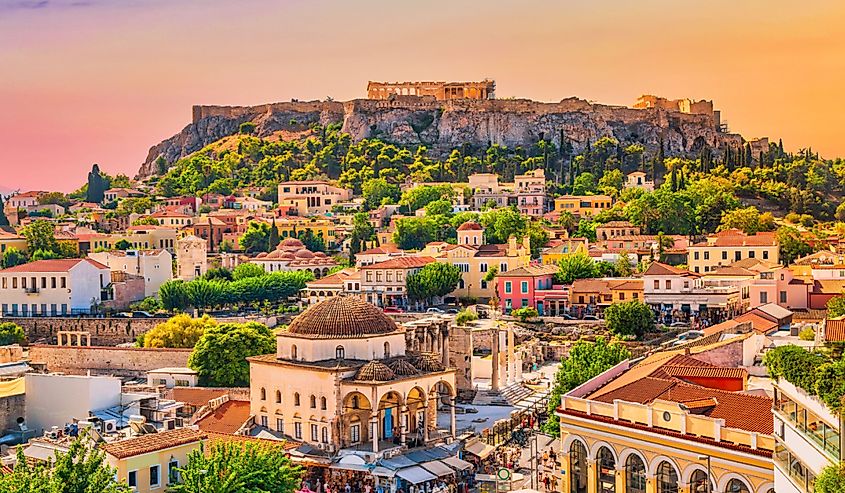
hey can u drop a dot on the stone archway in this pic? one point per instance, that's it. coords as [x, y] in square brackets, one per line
[389, 415]
[355, 419]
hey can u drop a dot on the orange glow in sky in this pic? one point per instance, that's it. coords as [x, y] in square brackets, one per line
[84, 81]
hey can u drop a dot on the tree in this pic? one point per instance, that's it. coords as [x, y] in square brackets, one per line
[792, 246]
[836, 306]
[831, 480]
[11, 333]
[418, 197]
[500, 224]
[12, 257]
[586, 360]
[436, 279]
[413, 233]
[180, 331]
[273, 238]
[82, 469]
[43, 255]
[97, 185]
[220, 273]
[256, 238]
[465, 316]
[585, 184]
[173, 295]
[4, 221]
[247, 128]
[122, 244]
[233, 467]
[40, 235]
[525, 313]
[203, 294]
[575, 266]
[631, 318]
[247, 269]
[313, 242]
[219, 357]
[57, 198]
[747, 219]
[377, 190]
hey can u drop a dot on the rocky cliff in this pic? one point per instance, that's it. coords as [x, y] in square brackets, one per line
[444, 125]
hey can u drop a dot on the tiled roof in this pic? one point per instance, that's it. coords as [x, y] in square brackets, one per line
[427, 362]
[385, 249]
[492, 250]
[342, 317]
[828, 286]
[731, 271]
[52, 265]
[617, 224]
[758, 322]
[375, 371]
[834, 330]
[661, 269]
[737, 239]
[470, 226]
[531, 270]
[144, 444]
[401, 263]
[589, 285]
[227, 419]
[196, 396]
[227, 438]
[627, 284]
[704, 372]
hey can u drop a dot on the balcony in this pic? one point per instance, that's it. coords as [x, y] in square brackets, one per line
[31, 290]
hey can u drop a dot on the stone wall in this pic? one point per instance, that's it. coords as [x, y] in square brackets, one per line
[104, 331]
[11, 408]
[460, 356]
[125, 362]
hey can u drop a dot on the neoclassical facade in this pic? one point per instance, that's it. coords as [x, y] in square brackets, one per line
[344, 376]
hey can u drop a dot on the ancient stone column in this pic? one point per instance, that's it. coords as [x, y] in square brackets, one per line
[494, 344]
[453, 423]
[426, 410]
[403, 423]
[374, 425]
[511, 357]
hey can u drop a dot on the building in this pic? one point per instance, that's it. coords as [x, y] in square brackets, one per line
[615, 229]
[530, 192]
[677, 295]
[520, 287]
[142, 237]
[568, 246]
[441, 91]
[808, 438]
[380, 253]
[328, 286]
[210, 229]
[291, 255]
[172, 377]
[312, 197]
[583, 205]
[594, 295]
[385, 283]
[527, 192]
[24, 199]
[667, 424]
[11, 240]
[729, 246]
[113, 194]
[191, 257]
[638, 179]
[342, 377]
[149, 462]
[56, 400]
[173, 219]
[54, 287]
[155, 266]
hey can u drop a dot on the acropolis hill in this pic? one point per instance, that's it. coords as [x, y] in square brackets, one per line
[446, 115]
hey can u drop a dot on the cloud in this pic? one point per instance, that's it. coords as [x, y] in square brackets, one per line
[11, 5]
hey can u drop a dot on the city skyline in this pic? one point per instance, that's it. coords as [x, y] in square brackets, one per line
[101, 82]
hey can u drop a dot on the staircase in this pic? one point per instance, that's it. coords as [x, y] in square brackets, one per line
[508, 396]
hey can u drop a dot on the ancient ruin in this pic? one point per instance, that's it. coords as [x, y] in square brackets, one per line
[441, 91]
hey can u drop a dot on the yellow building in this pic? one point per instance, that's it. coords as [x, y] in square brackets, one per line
[727, 247]
[475, 259]
[148, 462]
[583, 205]
[567, 247]
[11, 240]
[291, 227]
[665, 425]
[138, 237]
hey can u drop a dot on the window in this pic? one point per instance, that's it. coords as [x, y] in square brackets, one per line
[172, 472]
[323, 405]
[293, 351]
[635, 471]
[764, 297]
[656, 284]
[263, 394]
[155, 480]
[578, 468]
[524, 286]
[736, 486]
[483, 284]
[765, 255]
[606, 471]
[386, 349]
[339, 352]
[667, 478]
[686, 284]
[737, 256]
[280, 425]
[621, 296]
[313, 400]
[313, 432]
[355, 433]
[698, 481]
[399, 276]
[524, 302]
[132, 479]
[508, 287]
[635, 295]
[14, 283]
[783, 296]
[5, 283]
[325, 437]
[706, 255]
[724, 255]
[264, 422]
[389, 276]
[668, 284]
[503, 267]
[278, 397]
[297, 430]
[296, 398]
[752, 254]
[64, 282]
[695, 255]
[482, 267]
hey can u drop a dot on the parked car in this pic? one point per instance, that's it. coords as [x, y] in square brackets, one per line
[434, 310]
[567, 316]
[392, 309]
[679, 324]
[452, 311]
[590, 317]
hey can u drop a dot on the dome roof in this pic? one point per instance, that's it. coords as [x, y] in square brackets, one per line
[291, 243]
[273, 254]
[342, 317]
[402, 367]
[286, 256]
[470, 226]
[428, 362]
[319, 254]
[261, 255]
[375, 371]
[304, 253]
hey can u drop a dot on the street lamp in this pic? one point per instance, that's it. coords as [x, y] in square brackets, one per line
[709, 483]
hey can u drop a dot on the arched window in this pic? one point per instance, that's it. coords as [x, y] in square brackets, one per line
[339, 352]
[578, 473]
[698, 482]
[323, 403]
[667, 478]
[736, 486]
[635, 470]
[293, 351]
[354, 402]
[386, 349]
[313, 402]
[296, 398]
[325, 434]
[606, 471]
[278, 397]
[263, 394]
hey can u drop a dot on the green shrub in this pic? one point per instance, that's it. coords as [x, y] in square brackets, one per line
[465, 316]
[807, 334]
[525, 313]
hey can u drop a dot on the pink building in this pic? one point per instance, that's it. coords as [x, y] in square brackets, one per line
[525, 286]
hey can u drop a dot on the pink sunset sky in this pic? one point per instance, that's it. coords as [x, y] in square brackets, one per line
[84, 81]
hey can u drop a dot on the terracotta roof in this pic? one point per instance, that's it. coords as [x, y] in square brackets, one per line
[385, 249]
[531, 270]
[53, 265]
[428, 362]
[661, 269]
[470, 226]
[196, 396]
[336, 278]
[375, 371]
[758, 322]
[144, 444]
[227, 438]
[834, 330]
[732, 238]
[589, 285]
[342, 317]
[704, 372]
[401, 367]
[731, 271]
[627, 284]
[828, 286]
[401, 263]
[227, 419]
[493, 250]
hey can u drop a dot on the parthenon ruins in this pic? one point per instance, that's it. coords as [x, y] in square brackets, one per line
[485, 89]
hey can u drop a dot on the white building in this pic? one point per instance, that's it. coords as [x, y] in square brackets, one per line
[172, 377]
[55, 400]
[155, 266]
[191, 257]
[638, 179]
[54, 287]
[807, 438]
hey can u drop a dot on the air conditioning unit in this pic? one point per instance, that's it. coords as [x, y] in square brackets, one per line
[330, 448]
[169, 424]
[109, 426]
[321, 446]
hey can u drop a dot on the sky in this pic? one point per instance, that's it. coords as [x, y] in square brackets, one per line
[85, 81]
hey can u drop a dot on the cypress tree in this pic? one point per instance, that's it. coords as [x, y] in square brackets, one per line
[674, 178]
[273, 240]
[96, 185]
[4, 221]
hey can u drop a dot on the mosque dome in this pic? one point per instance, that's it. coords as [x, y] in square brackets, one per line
[342, 317]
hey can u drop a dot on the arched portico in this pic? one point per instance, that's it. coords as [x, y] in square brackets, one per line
[355, 419]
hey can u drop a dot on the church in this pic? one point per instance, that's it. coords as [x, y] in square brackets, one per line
[344, 376]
